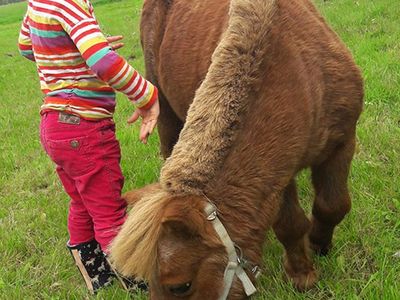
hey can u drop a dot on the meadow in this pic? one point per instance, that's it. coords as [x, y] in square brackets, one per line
[34, 262]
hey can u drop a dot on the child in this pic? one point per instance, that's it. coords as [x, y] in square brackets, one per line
[78, 71]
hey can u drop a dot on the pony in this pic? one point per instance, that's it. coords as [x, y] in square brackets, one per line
[251, 92]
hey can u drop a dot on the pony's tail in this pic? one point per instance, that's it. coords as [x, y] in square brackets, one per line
[232, 82]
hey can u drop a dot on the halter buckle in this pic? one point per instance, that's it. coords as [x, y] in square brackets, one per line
[212, 213]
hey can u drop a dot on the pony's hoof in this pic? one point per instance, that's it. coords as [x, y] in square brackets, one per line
[302, 274]
[304, 281]
[321, 250]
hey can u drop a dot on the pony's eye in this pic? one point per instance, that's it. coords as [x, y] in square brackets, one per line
[180, 289]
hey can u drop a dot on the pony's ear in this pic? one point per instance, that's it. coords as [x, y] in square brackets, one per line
[180, 216]
[189, 223]
[133, 196]
[180, 228]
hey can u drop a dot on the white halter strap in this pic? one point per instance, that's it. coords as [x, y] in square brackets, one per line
[234, 266]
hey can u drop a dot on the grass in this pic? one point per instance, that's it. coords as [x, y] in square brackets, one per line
[34, 263]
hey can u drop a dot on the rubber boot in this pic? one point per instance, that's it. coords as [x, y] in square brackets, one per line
[92, 264]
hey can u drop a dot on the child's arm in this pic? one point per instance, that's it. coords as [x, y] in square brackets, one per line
[84, 31]
[24, 40]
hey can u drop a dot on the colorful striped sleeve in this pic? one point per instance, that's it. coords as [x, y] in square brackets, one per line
[76, 17]
[24, 40]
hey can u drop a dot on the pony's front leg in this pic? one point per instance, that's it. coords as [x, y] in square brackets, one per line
[291, 229]
[169, 127]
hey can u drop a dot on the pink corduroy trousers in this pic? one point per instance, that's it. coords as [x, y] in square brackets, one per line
[87, 157]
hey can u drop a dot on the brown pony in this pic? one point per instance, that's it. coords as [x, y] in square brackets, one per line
[251, 92]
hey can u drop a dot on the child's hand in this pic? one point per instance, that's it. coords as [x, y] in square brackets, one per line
[149, 120]
[112, 39]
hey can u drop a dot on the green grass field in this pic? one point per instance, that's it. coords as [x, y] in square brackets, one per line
[34, 263]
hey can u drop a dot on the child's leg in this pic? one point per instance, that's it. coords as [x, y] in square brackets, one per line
[100, 189]
[80, 225]
[56, 139]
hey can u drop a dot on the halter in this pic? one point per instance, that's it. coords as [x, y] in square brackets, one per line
[236, 263]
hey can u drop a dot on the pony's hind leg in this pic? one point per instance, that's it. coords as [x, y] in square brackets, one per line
[291, 229]
[332, 199]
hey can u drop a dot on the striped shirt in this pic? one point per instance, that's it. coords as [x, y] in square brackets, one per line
[77, 68]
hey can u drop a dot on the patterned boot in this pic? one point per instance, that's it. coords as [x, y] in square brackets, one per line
[92, 264]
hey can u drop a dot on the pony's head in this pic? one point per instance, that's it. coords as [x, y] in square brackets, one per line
[168, 241]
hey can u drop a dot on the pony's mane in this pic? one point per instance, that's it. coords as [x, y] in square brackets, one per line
[134, 250]
[232, 81]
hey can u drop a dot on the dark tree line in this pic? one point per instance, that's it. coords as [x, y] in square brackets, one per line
[3, 2]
